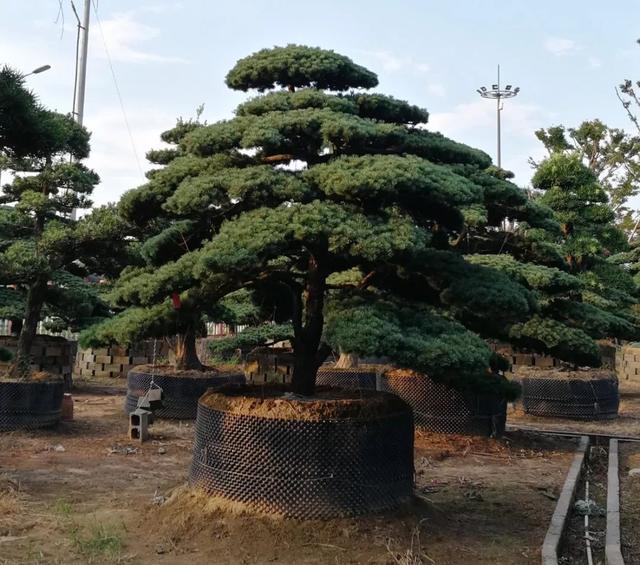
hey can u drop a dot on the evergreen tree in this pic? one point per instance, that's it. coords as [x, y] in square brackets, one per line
[44, 255]
[337, 208]
[610, 153]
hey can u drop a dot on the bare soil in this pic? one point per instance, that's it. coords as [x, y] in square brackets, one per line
[626, 424]
[562, 372]
[629, 458]
[275, 402]
[171, 371]
[83, 493]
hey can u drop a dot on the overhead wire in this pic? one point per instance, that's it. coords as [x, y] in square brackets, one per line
[117, 87]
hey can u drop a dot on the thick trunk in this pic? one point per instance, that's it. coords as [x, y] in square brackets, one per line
[35, 301]
[347, 361]
[186, 354]
[306, 345]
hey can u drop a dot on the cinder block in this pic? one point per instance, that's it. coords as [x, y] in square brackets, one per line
[121, 360]
[139, 425]
[544, 361]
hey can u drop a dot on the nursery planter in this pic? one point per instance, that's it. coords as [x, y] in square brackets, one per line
[339, 453]
[566, 397]
[356, 378]
[181, 389]
[30, 405]
[439, 408]
[49, 354]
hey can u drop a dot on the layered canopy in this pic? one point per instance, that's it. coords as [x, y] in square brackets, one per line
[341, 214]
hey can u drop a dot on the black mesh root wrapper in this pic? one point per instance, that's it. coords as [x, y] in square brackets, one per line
[580, 399]
[442, 409]
[180, 393]
[30, 405]
[304, 469]
[355, 379]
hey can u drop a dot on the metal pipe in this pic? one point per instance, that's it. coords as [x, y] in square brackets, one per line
[587, 537]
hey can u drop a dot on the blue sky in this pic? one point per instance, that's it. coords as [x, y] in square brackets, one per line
[169, 57]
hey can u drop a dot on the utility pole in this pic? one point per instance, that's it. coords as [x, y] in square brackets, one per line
[498, 94]
[81, 60]
[82, 49]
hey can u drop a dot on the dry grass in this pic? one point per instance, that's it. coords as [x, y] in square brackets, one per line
[12, 503]
[414, 554]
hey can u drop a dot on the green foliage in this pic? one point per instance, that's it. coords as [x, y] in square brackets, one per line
[250, 338]
[416, 338]
[535, 277]
[546, 334]
[19, 108]
[296, 66]
[580, 204]
[610, 153]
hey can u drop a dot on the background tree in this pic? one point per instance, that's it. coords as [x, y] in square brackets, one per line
[610, 153]
[588, 240]
[44, 255]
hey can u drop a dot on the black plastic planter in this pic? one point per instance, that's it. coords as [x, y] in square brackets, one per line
[439, 408]
[580, 399]
[30, 405]
[305, 468]
[356, 379]
[180, 393]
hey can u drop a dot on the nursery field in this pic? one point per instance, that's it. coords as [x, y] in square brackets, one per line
[82, 493]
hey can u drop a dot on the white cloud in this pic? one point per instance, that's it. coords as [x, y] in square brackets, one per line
[112, 155]
[392, 63]
[517, 118]
[437, 89]
[123, 34]
[560, 46]
[474, 123]
[594, 62]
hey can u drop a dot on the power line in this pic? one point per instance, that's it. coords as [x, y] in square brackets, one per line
[115, 82]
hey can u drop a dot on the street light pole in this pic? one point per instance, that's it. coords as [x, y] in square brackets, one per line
[498, 93]
[39, 70]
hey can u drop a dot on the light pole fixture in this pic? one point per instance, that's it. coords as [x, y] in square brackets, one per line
[497, 93]
[39, 70]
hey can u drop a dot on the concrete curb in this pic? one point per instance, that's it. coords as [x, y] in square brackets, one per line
[613, 554]
[563, 507]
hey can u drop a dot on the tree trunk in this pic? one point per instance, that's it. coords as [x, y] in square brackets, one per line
[16, 326]
[306, 344]
[347, 361]
[186, 354]
[35, 300]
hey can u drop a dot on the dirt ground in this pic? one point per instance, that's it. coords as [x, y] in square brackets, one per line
[82, 493]
[630, 502]
[626, 424]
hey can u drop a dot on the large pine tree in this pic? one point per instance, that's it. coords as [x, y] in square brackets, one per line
[322, 198]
